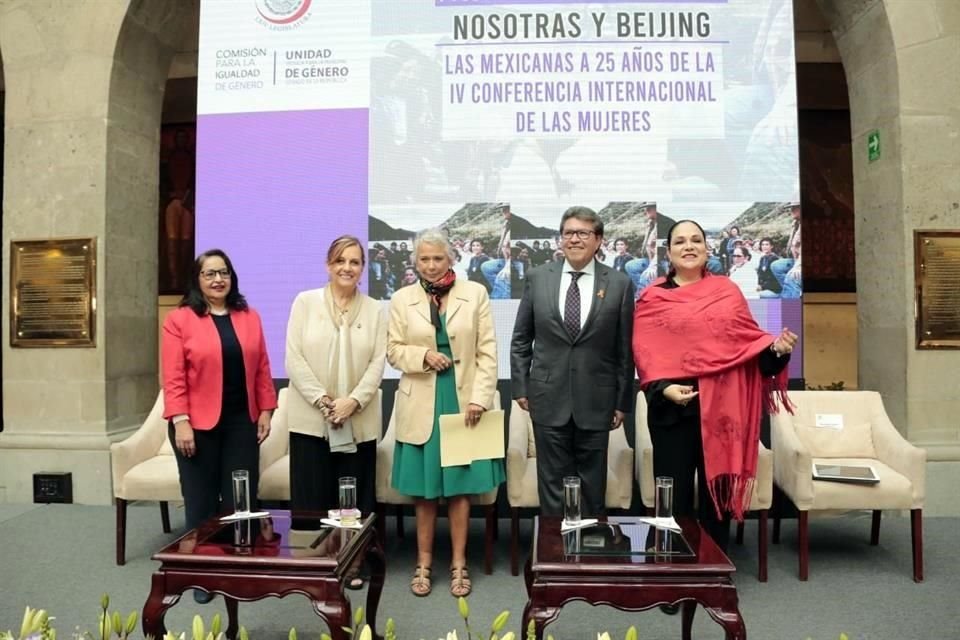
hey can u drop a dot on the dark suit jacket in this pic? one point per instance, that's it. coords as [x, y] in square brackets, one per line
[586, 378]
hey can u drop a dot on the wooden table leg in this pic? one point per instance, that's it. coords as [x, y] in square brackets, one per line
[541, 617]
[233, 620]
[731, 621]
[156, 606]
[688, 609]
[337, 616]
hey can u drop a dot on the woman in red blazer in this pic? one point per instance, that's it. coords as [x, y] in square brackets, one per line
[218, 393]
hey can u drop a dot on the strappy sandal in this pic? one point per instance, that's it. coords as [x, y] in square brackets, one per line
[460, 585]
[421, 585]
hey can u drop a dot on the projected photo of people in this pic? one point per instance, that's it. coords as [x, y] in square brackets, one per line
[480, 236]
[634, 240]
[757, 245]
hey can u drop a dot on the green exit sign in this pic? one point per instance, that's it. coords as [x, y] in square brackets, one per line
[873, 145]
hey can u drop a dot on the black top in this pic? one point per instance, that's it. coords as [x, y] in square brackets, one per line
[765, 277]
[234, 376]
[664, 412]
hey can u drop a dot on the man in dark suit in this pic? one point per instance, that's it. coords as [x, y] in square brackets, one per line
[571, 363]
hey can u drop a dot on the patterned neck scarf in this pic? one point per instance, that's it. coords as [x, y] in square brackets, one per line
[436, 291]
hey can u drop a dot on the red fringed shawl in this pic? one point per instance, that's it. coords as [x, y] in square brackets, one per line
[705, 331]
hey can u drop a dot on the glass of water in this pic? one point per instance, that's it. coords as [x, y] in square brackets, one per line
[663, 498]
[349, 513]
[241, 491]
[571, 500]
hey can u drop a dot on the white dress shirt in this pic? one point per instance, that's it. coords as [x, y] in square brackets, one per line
[585, 284]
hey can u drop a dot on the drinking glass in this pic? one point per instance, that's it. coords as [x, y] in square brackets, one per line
[242, 533]
[241, 491]
[663, 498]
[348, 501]
[571, 500]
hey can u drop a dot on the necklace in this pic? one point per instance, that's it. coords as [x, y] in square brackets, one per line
[342, 306]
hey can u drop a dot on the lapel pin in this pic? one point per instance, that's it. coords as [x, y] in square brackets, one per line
[601, 293]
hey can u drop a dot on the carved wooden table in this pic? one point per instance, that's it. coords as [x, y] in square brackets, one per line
[286, 553]
[610, 564]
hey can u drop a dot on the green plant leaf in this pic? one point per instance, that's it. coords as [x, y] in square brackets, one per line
[105, 628]
[197, 628]
[325, 636]
[500, 621]
[131, 624]
[26, 622]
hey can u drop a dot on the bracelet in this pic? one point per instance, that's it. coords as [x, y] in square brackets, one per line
[773, 347]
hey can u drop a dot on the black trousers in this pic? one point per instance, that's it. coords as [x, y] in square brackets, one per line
[569, 450]
[206, 479]
[678, 453]
[315, 472]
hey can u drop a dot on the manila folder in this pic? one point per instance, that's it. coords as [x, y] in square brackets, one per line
[460, 444]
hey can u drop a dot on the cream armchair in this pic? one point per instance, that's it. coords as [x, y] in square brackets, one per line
[386, 494]
[144, 468]
[274, 456]
[866, 437]
[522, 474]
[760, 500]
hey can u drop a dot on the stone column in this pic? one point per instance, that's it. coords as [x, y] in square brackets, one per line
[901, 59]
[84, 89]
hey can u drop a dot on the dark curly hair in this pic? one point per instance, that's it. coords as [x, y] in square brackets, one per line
[194, 299]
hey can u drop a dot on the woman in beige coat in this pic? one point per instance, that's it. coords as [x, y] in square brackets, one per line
[441, 339]
[336, 343]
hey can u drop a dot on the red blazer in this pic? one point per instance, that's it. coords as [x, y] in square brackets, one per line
[192, 366]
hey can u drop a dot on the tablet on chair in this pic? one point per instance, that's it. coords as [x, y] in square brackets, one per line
[861, 474]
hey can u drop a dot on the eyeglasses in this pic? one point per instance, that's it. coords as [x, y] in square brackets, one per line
[211, 274]
[582, 234]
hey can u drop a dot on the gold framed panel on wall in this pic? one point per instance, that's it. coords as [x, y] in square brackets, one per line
[937, 292]
[53, 292]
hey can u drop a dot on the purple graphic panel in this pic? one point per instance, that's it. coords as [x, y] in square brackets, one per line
[479, 3]
[773, 316]
[273, 190]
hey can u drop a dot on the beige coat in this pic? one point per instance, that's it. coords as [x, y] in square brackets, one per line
[474, 347]
[309, 334]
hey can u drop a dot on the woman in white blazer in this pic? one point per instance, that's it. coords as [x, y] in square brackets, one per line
[336, 345]
[441, 339]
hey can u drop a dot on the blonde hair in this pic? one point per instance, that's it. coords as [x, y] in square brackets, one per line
[438, 238]
[341, 244]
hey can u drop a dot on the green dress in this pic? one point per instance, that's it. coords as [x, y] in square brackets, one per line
[416, 468]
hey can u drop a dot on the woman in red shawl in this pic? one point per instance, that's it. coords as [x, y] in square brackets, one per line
[707, 371]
